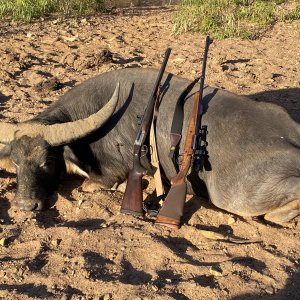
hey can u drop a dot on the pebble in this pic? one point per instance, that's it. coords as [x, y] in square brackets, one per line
[231, 220]
[3, 242]
[269, 290]
[216, 271]
[55, 242]
[154, 288]
[106, 297]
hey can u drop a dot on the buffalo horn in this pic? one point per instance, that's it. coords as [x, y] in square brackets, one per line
[64, 133]
[61, 133]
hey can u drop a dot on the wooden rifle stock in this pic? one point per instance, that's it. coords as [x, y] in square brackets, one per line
[172, 209]
[133, 195]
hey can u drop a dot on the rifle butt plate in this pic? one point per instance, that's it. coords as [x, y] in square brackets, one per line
[168, 222]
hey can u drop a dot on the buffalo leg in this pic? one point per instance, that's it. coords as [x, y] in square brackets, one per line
[284, 213]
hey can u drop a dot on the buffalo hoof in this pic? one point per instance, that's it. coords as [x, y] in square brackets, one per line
[284, 213]
[30, 206]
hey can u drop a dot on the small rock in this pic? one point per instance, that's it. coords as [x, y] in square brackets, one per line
[55, 242]
[269, 290]
[168, 280]
[70, 38]
[106, 297]
[216, 271]
[3, 242]
[154, 288]
[179, 60]
[231, 220]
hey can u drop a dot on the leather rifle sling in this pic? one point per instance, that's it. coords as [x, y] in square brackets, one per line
[177, 123]
[153, 150]
[155, 162]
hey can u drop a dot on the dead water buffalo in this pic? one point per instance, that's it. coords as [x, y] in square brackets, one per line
[253, 165]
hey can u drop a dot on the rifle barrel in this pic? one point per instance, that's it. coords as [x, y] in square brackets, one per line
[147, 116]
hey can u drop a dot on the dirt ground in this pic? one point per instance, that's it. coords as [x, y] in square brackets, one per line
[83, 247]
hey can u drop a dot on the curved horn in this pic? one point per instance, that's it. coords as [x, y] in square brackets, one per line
[64, 133]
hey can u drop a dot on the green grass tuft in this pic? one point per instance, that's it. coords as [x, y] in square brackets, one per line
[30, 9]
[230, 18]
[294, 14]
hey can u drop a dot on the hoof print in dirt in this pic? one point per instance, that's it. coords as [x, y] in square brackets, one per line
[52, 84]
[88, 61]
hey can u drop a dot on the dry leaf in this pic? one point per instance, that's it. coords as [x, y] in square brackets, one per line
[212, 235]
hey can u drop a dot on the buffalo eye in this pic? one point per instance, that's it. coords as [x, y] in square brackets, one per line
[45, 165]
[42, 165]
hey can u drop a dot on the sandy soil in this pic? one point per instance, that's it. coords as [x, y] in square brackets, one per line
[83, 248]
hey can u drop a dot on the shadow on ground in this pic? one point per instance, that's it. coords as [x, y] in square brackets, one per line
[291, 291]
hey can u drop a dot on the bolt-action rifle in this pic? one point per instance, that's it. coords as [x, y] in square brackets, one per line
[133, 196]
[172, 209]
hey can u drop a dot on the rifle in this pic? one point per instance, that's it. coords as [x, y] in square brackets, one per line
[133, 196]
[172, 209]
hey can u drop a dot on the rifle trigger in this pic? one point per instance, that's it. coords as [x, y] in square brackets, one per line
[144, 150]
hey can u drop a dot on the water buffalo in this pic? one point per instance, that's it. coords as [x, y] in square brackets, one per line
[253, 165]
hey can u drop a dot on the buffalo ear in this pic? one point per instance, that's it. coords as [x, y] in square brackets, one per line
[5, 160]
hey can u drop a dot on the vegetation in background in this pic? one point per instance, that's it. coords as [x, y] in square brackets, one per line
[29, 9]
[233, 18]
[294, 14]
[220, 18]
